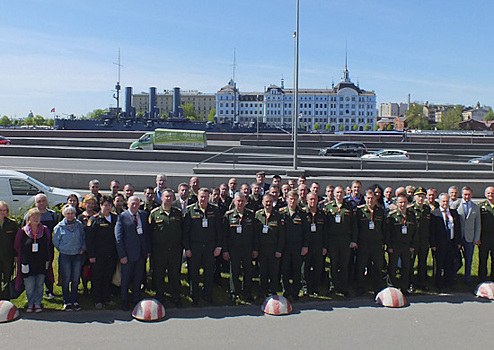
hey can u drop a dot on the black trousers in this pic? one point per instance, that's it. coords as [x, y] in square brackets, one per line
[269, 269]
[102, 273]
[370, 254]
[339, 253]
[167, 260]
[291, 269]
[314, 261]
[202, 256]
[241, 261]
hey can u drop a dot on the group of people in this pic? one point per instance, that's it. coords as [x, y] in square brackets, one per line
[284, 233]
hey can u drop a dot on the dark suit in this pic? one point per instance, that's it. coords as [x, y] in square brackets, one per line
[447, 247]
[136, 248]
[177, 204]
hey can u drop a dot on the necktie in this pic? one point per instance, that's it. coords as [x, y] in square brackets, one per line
[136, 222]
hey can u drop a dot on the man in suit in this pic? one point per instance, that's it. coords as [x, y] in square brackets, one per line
[445, 241]
[469, 213]
[183, 200]
[486, 234]
[133, 247]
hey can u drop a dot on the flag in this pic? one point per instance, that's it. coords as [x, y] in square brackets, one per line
[53, 110]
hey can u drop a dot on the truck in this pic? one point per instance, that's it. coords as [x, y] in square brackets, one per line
[171, 139]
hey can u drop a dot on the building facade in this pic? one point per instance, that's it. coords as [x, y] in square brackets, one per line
[392, 109]
[344, 107]
[203, 102]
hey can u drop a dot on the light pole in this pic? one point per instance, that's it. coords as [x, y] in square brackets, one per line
[295, 96]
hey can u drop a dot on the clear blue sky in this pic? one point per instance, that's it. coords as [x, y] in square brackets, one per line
[59, 53]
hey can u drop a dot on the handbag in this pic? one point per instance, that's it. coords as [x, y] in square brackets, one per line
[14, 293]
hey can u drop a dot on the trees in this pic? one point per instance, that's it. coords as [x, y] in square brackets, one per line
[415, 119]
[211, 115]
[489, 115]
[355, 127]
[451, 118]
[97, 114]
[317, 126]
[367, 127]
[189, 111]
[328, 127]
[5, 121]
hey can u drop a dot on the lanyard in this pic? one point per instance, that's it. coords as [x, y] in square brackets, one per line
[372, 214]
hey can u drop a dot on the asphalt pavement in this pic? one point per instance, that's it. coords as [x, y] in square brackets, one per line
[430, 322]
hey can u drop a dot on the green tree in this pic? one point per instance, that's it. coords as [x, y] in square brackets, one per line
[317, 126]
[451, 118]
[39, 120]
[489, 115]
[376, 127]
[367, 127]
[328, 127]
[96, 114]
[355, 127]
[415, 119]
[211, 115]
[29, 120]
[342, 128]
[5, 121]
[50, 122]
[189, 111]
[389, 127]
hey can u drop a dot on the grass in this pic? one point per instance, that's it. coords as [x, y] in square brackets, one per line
[221, 295]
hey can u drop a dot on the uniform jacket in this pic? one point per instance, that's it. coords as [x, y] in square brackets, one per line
[275, 235]
[394, 225]
[296, 229]
[166, 229]
[195, 233]
[100, 236]
[486, 220]
[363, 216]
[247, 238]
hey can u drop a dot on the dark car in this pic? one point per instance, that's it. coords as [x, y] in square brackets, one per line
[344, 149]
[487, 159]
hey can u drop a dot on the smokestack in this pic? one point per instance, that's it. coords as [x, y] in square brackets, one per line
[176, 102]
[152, 102]
[129, 110]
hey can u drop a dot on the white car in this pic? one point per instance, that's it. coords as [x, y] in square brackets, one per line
[18, 190]
[388, 154]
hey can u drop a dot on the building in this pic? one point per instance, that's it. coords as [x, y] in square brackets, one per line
[392, 109]
[203, 102]
[344, 107]
[477, 113]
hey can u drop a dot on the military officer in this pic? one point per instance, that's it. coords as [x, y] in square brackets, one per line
[296, 245]
[240, 246]
[401, 240]
[202, 237]
[318, 244]
[166, 223]
[271, 237]
[486, 234]
[342, 237]
[423, 218]
[370, 220]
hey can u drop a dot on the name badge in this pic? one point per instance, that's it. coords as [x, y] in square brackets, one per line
[404, 230]
[35, 248]
[265, 229]
[337, 218]
[371, 225]
[313, 227]
[239, 229]
[204, 222]
[139, 230]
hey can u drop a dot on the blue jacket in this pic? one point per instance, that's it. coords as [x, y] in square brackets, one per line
[130, 244]
[69, 242]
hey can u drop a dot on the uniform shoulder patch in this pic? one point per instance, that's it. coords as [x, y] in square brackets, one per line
[155, 209]
[190, 205]
[392, 212]
[361, 206]
[283, 210]
[229, 211]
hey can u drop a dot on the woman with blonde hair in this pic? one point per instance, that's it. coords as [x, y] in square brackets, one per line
[32, 243]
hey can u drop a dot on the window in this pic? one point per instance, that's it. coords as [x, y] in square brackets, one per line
[23, 188]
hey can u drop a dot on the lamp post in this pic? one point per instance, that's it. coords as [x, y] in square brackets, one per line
[295, 96]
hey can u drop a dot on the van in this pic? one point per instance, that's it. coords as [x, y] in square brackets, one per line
[172, 139]
[18, 191]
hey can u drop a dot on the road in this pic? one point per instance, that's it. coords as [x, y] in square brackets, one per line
[430, 322]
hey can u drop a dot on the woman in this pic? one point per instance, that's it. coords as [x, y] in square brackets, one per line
[102, 251]
[8, 229]
[378, 191]
[32, 244]
[70, 240]
[118, 204]
[73, 200]
[88, 204]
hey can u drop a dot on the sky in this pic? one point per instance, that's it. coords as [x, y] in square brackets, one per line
[62, 54]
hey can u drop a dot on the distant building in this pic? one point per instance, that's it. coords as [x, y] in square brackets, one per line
[343, 107]
[392, 109]
[475, 113]
[202, 102]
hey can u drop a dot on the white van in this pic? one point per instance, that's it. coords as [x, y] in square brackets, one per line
[19, 189]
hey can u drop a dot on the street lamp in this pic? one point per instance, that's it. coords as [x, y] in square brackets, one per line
[295, 94]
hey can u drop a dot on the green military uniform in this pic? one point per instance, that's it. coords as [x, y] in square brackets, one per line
[486, 239]
[400, 237]
[201, 235]
[166, 249]
[297, 236]
[148, 207]
[342, 231]
[7, 252]
[271, 238]
[371, 230]
[318, 240]
[423, 218]
[240, 241]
